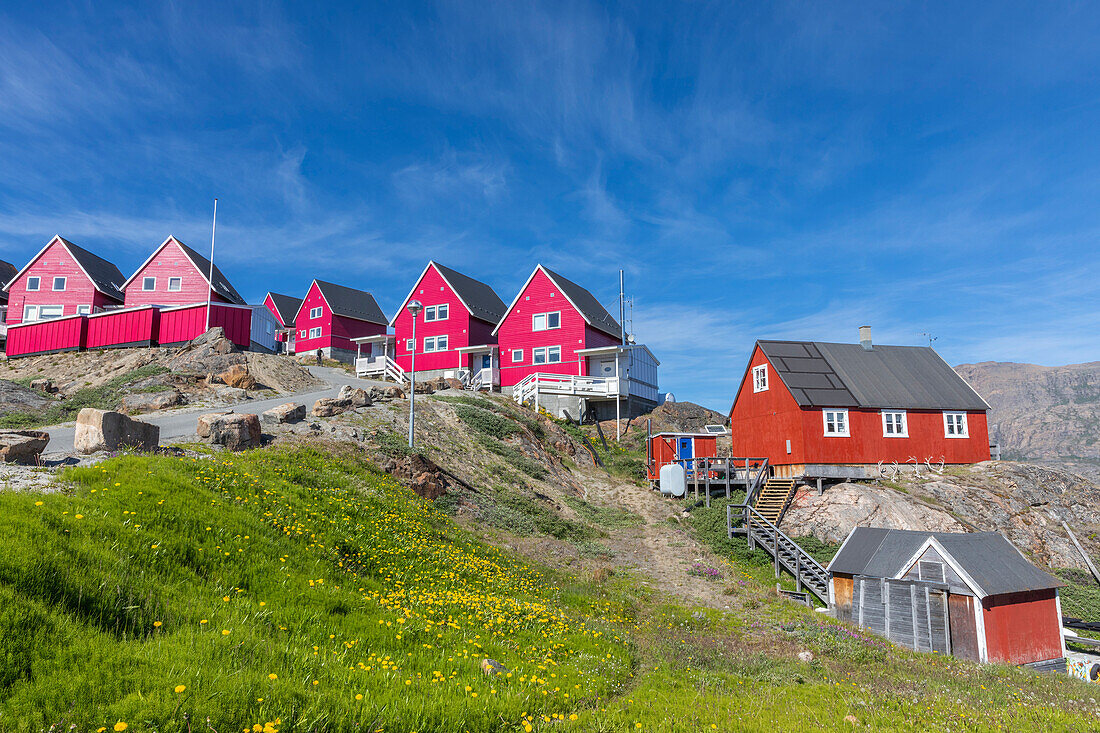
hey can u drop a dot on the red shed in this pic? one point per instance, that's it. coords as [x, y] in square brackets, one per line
[46, 337]
[455, 328]
[666, 448]
[62, 280]
[124, 327]
[175, 274]
[330, 316]
[973, 595]
[832, 410]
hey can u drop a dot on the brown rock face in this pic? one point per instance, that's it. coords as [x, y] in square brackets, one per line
[22, 446]
[329, 406]
[394, 393]
[98, 430]
[238, 376]
[422, 474]
[453, 384]
[235, 431]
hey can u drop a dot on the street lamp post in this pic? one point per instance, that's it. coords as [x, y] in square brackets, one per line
[413, 307]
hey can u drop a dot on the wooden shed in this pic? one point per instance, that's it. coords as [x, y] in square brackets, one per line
[973, 595]
[666, 448]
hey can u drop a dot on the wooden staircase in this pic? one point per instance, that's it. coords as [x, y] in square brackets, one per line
[809, 575]
[772, 501]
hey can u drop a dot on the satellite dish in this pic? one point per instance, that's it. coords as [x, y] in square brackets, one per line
[630, 338]
[668, 397]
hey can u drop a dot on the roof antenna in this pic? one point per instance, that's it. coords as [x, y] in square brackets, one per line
[622, 312]
[930, 338]
[210, 277]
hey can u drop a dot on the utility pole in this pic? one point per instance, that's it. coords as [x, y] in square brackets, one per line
[413, 307]
[210, 289]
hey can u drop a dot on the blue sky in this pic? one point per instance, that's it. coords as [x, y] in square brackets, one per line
[759, 170]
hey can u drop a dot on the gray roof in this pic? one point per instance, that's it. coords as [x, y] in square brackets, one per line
[822, 374]
[105, 276]
[221, 284]
[8, 272]
[587, 304]
[351, 303]
[286, 306]
[988, 558]
[481, 299]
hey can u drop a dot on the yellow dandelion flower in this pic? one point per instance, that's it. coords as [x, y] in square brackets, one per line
[180, 688]
[120, 726]
[38, 503]
[157, 624]
[273, 676]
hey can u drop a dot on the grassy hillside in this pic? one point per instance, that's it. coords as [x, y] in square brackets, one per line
[300, 589]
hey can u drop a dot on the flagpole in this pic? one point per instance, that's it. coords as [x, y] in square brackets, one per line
[210, 278]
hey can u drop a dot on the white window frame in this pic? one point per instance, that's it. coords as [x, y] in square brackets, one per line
[538, 356]
[84, 310]
[315, 332]
[949, 424]
[410, 345]
[30, 313]
[846, 433]
[145, 284]
[517, 356]
[177, 282]
[435, 343]
[899, 419]
[64, 282]
[760, 378]
[545, 321]
[37, 283]
[316, 312]
[304, 334]
[437, 312]
[56, 311]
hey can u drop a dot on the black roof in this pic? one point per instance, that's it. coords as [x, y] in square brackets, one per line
[481, 299]
[990, 560]
[587, 304]
[286, 307]
[7, 272]
[822, 374]
[352, 303]
[221, 284]
[105, 276]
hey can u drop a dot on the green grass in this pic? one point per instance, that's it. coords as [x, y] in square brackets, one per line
[107, 396]
[606, 517]
[517, 459]
[487, 423]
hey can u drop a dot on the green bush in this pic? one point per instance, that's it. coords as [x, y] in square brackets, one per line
[517, 459]
[486, 422]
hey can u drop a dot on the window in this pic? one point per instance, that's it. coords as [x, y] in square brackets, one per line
[84, 310]
[315, 332]
[760, 378]
[517, 356]
[175, 284]
[546, 321]
[546, 355]
[410, 345]
[315, 312]
[436, 312]
[836, 422]
[51, 311]
[59, 283]
[303, 333]
[30, 313]
[34, 283]
[435, 343]
[954, 425]
[148, 283]
[894, 424]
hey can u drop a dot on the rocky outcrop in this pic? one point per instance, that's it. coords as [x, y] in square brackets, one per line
[150, 401]
[22, 446]
[17, 398]
[393, 393]
[421, 473]
[105, 430]
[44, 385]
[234, 430]
[288, 413]
[329, 406]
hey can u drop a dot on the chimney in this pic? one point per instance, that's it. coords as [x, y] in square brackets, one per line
[865, 338]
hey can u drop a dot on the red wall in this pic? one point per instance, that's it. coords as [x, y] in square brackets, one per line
[55, 260]
[169, 261]
[542, 296]
[1022, 627]
[336, 331]
[762, 422]
[56, 334]
[183, 324]
[432, 289]
[123, 328]
[270, 305]
[663, 449]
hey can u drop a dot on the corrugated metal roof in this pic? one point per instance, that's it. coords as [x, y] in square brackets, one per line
[822, 374]
[287, 307]
[987, 557]
[482, 300]
[345, 301]
[587, 304]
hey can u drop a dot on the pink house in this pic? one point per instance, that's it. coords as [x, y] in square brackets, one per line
[62, 280]
[284, 308]
[174, 275]
[454, 331]
[330, 316]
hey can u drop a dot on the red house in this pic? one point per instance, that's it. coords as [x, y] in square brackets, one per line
[972, 595]
[330, 316]
[826, 410]
[454, 329]
[62, 280]
[284, 308]
[175, 275]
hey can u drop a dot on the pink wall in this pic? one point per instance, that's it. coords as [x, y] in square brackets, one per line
[58, 334]
[169, 262]
[515, 332]
[460, 328]
[270, 305]
[54, 261]
[184, 324]
[336, 331]
[138, 327]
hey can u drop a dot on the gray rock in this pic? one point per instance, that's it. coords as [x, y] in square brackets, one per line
[328, 406]
[98, 430]
[288, 413]
[233, 393]
[394, 393]
[206, 422]
[235, 431]
[150, 401]
[355, 396]
[43, 385]
[22, 446]
[17, 398]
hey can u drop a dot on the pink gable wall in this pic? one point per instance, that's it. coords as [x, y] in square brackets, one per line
[460, 328]
[169, 262]
[270, 305]
[336, 331]
[55, 261]
[542, 296]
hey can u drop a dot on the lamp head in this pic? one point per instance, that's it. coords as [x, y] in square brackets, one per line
[414, 307]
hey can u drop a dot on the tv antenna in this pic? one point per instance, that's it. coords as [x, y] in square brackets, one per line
[930, 337]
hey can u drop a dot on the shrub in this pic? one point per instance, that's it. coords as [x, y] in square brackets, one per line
[518, 459]
[486, 422]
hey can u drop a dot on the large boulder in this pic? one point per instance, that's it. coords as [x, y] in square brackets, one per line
[394, 393]
[234, 430]
[357, 397]
[22, 446]
[150, 401]
[424, 388]
[290, 412]
[99, 430]
[238, 376]
[329, 406]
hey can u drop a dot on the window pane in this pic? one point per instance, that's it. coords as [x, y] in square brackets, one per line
[553, 320]
[59, 283]
[442, 313]
[148, 283]
[555, 354]
[441, 343]
[33, 283]
[539, 322]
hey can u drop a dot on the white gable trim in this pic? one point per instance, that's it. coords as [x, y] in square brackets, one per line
[320, 292]
[933, 542]
[431, 265]
[59, 239]
[560, 290]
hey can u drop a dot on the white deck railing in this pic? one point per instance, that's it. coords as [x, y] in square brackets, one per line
[380, 366]
[564, 384]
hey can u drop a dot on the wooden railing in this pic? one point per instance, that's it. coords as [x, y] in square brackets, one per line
[564, 384]
[709, 473]
[786, 553]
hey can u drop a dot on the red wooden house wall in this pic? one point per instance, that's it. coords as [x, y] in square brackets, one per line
[126, 327]
[168, 262]
[460, 328]
[541, 295]
[43, 337]
[336, 331]
[1023, 627]
[761, 423]
[664, 449]
[54, 261]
